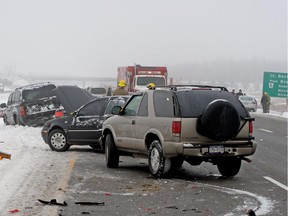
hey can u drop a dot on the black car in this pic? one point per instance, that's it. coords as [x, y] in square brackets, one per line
[81, 127]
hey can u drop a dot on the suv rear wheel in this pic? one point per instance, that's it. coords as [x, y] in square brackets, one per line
[111, 153]
[57, 141]
[229, 167]
[158, 164]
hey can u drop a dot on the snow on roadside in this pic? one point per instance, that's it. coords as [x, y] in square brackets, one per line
[273, 113]
[32, 173]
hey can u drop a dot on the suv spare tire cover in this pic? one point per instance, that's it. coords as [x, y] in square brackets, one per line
[219, 121]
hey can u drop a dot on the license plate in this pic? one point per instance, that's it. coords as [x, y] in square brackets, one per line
[216, 149]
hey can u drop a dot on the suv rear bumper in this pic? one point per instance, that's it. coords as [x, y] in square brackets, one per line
[202, 150]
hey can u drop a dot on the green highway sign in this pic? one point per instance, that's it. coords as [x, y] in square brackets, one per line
[275, 84]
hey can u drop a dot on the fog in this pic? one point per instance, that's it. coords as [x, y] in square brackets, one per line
[199, 40]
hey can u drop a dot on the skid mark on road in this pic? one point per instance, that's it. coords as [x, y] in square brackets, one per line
[276, 182]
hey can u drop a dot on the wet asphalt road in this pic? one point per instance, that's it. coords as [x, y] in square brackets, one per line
[191, 190]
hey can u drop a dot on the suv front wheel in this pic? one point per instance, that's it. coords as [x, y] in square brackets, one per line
[158, 164]
[229, 167]
[111, 153]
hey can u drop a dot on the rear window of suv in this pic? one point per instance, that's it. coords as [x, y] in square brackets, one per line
[36, 93]
[164, 105]
[192, 103]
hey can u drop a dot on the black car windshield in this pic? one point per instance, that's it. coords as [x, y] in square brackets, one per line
[34, 94]
[193, 103]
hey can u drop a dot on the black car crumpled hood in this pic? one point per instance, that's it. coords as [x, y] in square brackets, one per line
[72, 97]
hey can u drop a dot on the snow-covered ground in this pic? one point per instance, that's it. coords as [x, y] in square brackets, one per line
[20, 177]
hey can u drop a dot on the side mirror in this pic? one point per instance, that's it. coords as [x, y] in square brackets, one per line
[3, 105]
[116, 110]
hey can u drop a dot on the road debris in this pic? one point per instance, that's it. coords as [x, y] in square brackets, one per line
[251, 212]
[108, 194]
[14, 211]
[52, 202]
[4, 155]
[172, 207]
[183, 210]
[90, 203]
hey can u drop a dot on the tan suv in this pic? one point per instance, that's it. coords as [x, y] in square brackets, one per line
[173, 124]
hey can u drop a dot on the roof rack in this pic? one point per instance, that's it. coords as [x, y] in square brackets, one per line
[182, 87]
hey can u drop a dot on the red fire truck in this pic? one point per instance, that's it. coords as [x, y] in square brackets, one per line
[137, 77]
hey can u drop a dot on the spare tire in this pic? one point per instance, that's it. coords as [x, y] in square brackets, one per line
[219, 121]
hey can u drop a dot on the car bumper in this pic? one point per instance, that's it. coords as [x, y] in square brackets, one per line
[38, 119]
[202, 150]
[44, 134]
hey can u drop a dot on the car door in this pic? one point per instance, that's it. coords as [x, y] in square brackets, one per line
[87, 123]
[124, 128]
[142, 124]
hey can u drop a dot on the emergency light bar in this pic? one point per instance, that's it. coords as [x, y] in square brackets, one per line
[149, 72]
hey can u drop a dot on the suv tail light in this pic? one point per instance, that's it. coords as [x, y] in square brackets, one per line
[176, 128]
[59, 113]
[250, 127]
[22, 111]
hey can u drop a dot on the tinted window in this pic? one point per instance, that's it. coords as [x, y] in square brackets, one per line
[192, 103]
[143, 109]
[163, 104]
[94, 108]
[37, 93]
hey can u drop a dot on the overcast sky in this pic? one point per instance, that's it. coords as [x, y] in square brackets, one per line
[94, 37]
